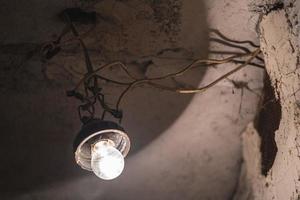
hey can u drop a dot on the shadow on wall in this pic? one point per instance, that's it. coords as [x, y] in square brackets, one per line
[267, 123]
[39, 122]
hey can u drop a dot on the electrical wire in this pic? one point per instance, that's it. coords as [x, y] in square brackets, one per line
[93, 92]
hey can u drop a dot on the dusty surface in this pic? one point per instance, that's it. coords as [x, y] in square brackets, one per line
[280, 45]
[183, 146]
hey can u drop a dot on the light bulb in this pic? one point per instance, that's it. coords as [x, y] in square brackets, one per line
[107, 162]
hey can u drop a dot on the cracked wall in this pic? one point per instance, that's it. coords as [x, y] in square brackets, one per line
[279, 38]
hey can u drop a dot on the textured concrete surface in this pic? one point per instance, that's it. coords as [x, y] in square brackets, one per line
[184, 147]
[280, 45]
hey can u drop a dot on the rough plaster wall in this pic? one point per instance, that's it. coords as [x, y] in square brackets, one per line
[197, 149]
[280, 45]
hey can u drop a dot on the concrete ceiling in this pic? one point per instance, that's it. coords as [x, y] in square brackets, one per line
[183, 146]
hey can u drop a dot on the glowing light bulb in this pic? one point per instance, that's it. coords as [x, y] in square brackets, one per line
[107, 162]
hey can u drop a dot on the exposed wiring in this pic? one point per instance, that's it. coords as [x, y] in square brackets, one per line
[92, 92]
